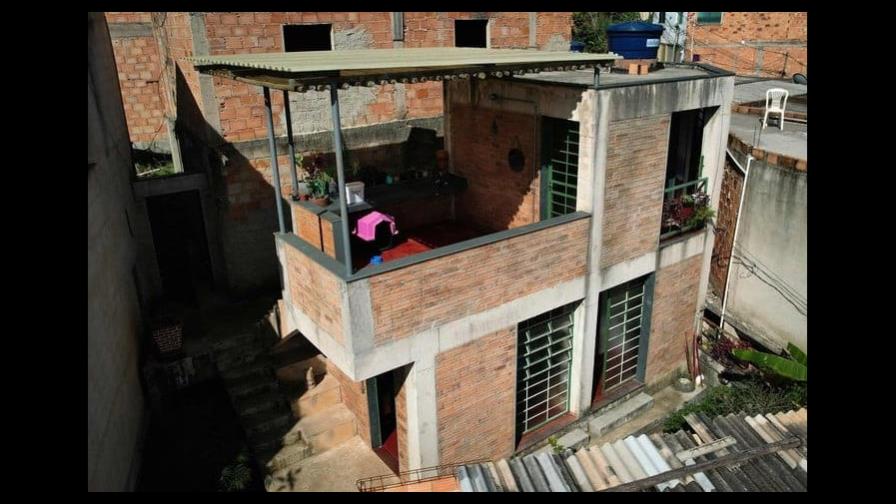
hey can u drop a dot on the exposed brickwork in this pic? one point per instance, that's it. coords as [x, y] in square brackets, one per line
[496, 197]
[769, 36]
[554, 31]
[475, 386]
[316, 292]
[633, 204]
[137, 59]
[729, 200]
[415, 298]
[415, 213]
[354, 397]
[672, 319]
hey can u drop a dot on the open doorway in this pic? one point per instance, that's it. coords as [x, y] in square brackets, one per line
[381, 393]
[178, 233]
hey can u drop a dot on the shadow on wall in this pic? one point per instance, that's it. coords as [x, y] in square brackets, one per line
[244, 202]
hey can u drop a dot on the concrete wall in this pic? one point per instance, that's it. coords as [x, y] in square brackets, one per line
[115, 407]
[767, 292]
[774, 44]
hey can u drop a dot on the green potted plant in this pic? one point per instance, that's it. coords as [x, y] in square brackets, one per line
[319, 181]
[303, 190]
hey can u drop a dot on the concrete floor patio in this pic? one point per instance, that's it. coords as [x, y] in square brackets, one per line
[335, 470]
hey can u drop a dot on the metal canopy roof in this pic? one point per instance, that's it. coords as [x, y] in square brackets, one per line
[303, 71]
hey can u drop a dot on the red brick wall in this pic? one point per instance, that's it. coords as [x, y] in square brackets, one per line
[354, 397]
[729, 199]
[428, 294]
[554, 30]
[719, 44]
[636, 172]
[316, 292]
[497, 197]
[674, 308]
[137, 60]
[475, 387]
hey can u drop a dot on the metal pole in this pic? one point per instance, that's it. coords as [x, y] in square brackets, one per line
[272, 146]
[340, 176]
[292, 145]
[740, 208]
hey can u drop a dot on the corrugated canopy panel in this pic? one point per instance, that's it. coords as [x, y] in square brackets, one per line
[312, 69]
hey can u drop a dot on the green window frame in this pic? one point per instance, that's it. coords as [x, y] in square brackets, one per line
[544, 367]
[709, 17]
[625, 330]
[559, 167]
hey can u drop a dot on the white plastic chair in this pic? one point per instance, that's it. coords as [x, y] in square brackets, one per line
[775, 103]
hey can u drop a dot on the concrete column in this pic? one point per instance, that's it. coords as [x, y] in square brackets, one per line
[423, 436]
[533, 30]
[593, 281]
[715, 141]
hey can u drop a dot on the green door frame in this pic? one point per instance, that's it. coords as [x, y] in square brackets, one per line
[646, 316]
[548, 126]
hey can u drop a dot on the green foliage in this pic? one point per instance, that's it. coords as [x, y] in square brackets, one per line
[237, 476]
[591, 27]
[701, 215]
[558, 448]
[784, 367]
[797, 354]
[751, 397]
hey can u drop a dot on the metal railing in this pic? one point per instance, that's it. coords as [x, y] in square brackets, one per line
[672, 194]
[392, 480]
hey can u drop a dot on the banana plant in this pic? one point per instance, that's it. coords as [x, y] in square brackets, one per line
[793, 368]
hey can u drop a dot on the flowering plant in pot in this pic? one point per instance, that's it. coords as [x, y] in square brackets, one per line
[687, 212]
[318, 181]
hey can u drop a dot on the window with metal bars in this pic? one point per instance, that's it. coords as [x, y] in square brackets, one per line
[544, 361]
[624, 328]
[560, 166]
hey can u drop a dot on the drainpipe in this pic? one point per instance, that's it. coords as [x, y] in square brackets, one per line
[740, 207]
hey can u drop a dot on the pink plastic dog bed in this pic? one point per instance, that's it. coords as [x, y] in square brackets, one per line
[366, 229]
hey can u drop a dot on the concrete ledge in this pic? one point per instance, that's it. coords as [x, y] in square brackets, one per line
[145, 188]
[130, 30]
[617, 416]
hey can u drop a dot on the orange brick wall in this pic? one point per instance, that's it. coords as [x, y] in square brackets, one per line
[137, 60]
[354, 397]
[497, 197]
[428, 294]
[633, 204]
[719, 44]
[475, 387]
[554, 30]
[316, 292]
[674, 308]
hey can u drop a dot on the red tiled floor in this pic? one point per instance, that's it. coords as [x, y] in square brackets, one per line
[420, 240]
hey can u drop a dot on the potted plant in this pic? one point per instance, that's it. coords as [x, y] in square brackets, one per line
[302, 190]
[318, 181]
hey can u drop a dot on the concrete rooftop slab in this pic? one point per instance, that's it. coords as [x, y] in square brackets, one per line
[755, 91]
[792, 142]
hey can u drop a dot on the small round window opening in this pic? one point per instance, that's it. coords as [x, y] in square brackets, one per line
[516, 159]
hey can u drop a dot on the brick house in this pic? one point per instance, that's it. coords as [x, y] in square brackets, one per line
[219, 122]
[541, 278]
[764, 44]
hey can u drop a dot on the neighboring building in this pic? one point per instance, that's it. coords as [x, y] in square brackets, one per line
[115, 405]
[767, 289]
[220, 122]
[761, 44]
[540, 282]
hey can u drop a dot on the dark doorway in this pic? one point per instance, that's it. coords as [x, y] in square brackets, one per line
[178, 233]
[313, 37]
[685, 145]
[381, 392]
[471, 33]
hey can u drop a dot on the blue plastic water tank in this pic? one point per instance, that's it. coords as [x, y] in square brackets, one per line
[636, 40]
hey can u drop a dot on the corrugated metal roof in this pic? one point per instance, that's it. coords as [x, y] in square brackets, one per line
[634, 458]
[378, 66]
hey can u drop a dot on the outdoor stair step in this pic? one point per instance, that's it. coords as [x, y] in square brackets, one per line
[625, 411]
[268, 441]
[234, 357]
[259, 403]
[286, 456]
[280, 422]
[249, 337]
[247, 371]
[325, 429]
[252, 384]
[324, 395]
